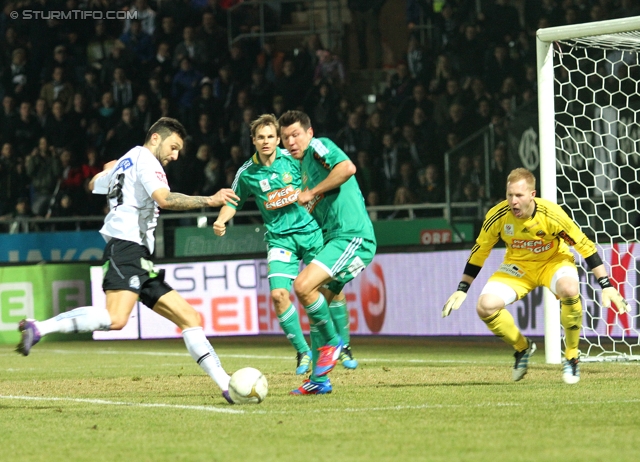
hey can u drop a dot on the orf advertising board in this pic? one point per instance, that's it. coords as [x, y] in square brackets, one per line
[223, 293]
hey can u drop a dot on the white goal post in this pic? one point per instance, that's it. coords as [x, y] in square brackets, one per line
[589, 126]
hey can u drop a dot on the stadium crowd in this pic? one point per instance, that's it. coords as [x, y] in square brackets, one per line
[78, 93]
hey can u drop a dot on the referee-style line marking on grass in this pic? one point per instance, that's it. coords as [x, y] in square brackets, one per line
[347, 410]
[122, 403]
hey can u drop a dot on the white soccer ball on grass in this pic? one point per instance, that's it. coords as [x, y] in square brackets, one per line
[248, 386]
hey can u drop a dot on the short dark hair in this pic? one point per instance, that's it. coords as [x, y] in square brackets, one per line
[291, 117]
[165, 127]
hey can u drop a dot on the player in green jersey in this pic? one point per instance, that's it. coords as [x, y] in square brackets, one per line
[273, 177]
[331, 194]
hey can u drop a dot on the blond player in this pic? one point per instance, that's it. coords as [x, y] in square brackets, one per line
[537, 234]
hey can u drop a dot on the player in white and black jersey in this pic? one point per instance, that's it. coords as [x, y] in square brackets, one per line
[137, 188]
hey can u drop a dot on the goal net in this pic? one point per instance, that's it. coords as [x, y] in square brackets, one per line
[589, 115]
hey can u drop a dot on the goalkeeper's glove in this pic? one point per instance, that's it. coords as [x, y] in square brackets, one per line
[456, 299]
[610, 294]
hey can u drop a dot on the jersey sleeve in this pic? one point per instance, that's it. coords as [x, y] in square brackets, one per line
[569, 232]
[328, 153]
[151, 175]
[101, 185]
[488, 236]
[241, 189]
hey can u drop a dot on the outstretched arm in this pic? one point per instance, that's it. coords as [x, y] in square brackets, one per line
[226, 214]
[105, 171]
[609, 293]
[176, 201]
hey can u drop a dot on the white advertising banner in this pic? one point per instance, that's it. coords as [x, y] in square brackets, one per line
[224, 293]
[397, 294]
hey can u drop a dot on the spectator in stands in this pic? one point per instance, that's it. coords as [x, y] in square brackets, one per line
[60, 59]
[43, 169]
[431, 190]
[329, 69]
[7, 115]
[419, 61]
[124, 136]
[143, 13]
[161, 65]
[402, 196]
[240, 63]
[71, 178]
[107, 115]
[214, 176]
[214, 39]
[408, 106]
[138, 42]
[366, 173]
[99, 46]
[260, 91]
[90, 89]
[143, 114]
[354, 137]
[412, 147]
[389, 166]
[24, 131]
[498, 175]
[443, 73]
[167, 33]
[206, 134]
[498, 66]
[58, 89]
[184, 88]
[190, 48]
[288, 85]
[377, 130]
[224, 87]
[15, 79]
[121, 89]
[41, 113]
[453, 95]
[120, 56]
[58, 130]
[468, 51]
[500, 21]
[399, 84]
[13, 180]
[197, 167]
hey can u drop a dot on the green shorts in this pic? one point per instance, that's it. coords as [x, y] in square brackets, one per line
[284, 253]
[344, 258]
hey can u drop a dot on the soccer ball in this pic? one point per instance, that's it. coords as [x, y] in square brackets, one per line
[248, 386]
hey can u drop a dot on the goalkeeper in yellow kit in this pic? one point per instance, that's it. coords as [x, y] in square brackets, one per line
[537, 234]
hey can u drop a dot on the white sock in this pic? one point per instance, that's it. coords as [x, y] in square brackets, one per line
[203, 353]
[83, 319]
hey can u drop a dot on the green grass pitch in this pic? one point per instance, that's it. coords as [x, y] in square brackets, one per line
[424, 399]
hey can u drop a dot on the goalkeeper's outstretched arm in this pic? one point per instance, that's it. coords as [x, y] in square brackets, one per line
[459, 296]
[609, 293]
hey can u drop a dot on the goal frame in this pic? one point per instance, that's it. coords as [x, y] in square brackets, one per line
[546, 121]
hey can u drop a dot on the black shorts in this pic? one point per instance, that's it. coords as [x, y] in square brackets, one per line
[127, 267]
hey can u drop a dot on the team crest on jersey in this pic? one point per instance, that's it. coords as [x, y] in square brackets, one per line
[125, 164]
[508, 229]
[287, 178]
[162, 177]
[264, 185]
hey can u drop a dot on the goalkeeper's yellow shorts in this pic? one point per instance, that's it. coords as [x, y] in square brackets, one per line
[523, 277]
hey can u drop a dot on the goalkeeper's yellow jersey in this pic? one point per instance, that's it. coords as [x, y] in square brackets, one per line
[537, 239]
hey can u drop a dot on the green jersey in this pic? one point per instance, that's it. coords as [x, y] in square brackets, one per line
[276, 188]
[340, 212]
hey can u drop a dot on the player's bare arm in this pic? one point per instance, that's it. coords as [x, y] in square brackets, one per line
[340, 173]
[176, 201]
[226, 214]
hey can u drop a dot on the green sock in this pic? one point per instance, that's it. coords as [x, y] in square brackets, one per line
[318, 313]
[316, 342]
[290, 324]
[340, 315]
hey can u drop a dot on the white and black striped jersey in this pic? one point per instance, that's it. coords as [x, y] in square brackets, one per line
[133, 213]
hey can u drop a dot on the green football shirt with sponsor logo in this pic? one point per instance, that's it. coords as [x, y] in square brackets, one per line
[276, 188]
[340, 212]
